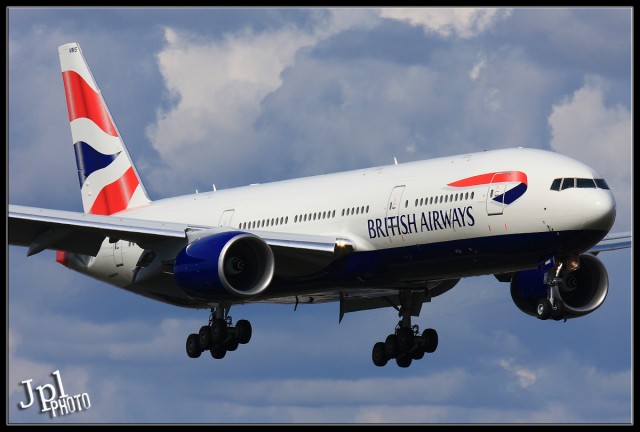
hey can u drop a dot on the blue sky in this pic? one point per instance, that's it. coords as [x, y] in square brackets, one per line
[230, 97]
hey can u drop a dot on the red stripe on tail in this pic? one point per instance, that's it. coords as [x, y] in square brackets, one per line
[84, 102]
[115, 197]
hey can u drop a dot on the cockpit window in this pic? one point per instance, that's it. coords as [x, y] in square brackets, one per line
[567, 183]
[585, 183]
[601, 184]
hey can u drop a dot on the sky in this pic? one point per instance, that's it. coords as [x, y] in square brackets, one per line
[232, 96]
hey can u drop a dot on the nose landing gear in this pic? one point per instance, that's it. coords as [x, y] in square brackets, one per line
[557, 279]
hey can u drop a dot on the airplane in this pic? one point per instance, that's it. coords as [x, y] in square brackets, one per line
[389, 236]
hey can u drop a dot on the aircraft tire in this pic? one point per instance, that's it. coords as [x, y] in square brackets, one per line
[193, 346]
[430, 338]
[204, 336]
[418, 348]
[232, 344]
[243, 328]
[218, 331]
[218, 352]
[557, 310]
[404, 361]
[405, 339]
[391, 346]
[543, 309]
[379, 354]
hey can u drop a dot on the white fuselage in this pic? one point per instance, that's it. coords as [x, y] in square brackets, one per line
[399, 206]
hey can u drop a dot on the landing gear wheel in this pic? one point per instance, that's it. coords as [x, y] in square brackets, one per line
[391, 346]
[405, 339]
[243, 327]
[379, 354]
[218, 352]
[557, 310]
[218, 330]
[193, 346]
[417, 351]
[417, 354]
[430, 340]
[404, 360]
[543, 309]
[204, 336]
[232, 344]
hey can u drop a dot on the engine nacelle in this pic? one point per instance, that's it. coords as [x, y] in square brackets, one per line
[582, 291]
[236, 263]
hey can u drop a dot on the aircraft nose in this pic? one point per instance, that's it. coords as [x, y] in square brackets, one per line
[598, 210]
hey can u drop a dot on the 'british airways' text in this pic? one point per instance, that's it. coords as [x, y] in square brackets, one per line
[432, 220]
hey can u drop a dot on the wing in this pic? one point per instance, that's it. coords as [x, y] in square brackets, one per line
[612, 242]
[40, 229]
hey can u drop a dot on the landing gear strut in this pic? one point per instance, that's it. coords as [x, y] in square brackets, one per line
[555, 279]
[406, 343]
[219, 336]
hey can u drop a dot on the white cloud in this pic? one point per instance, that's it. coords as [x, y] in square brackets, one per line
[461, 22]
[475, 71]
[525, 376]
[219, 87]
[222, 81]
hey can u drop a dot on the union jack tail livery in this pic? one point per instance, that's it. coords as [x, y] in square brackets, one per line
[109, 182]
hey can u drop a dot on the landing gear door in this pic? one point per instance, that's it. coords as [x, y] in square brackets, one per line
[495, 195]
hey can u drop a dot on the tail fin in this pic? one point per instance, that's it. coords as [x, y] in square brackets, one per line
[109, 182]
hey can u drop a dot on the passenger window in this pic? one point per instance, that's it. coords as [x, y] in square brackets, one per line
[555, 185]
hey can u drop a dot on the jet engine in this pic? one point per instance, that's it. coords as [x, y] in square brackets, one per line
[236, 263]
[581, 291]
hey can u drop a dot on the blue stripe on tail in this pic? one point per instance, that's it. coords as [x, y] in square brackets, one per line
[89, 160]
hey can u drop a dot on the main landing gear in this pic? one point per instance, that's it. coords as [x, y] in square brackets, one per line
[406, 343]
[219, 336]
